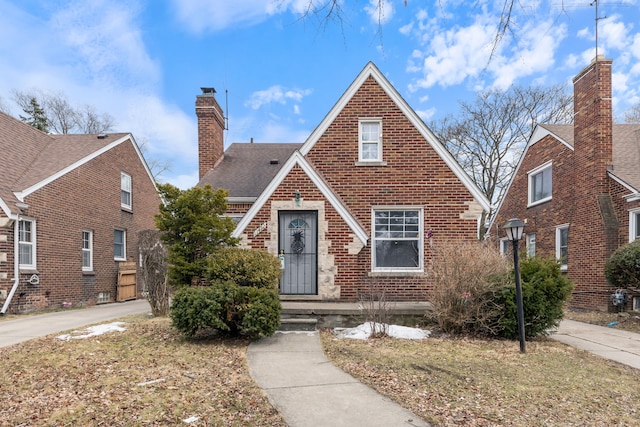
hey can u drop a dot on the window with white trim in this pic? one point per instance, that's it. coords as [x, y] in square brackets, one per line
[540, 184]
[397, 239]
[125, 190]
[27, 244]
[119, 245]
[531, 245]
[505, 246]
[562, 245]
[634, 225]
[87, 250]
[370, 140]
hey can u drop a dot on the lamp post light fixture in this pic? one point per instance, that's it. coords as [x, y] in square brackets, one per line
[514, 229]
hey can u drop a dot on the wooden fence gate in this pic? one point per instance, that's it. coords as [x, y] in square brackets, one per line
[126, 286]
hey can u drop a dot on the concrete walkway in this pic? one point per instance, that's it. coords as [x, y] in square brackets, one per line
[26, 327]
[309, 391]
[610, 343]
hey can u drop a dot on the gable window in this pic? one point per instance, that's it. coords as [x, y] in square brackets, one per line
[125, 190]
[119, 245]
[634, 225]
[531, 245]
[27, 244]
[540, 184]
[562, 245]
[87, 250]
[370, 140]
[397, 239]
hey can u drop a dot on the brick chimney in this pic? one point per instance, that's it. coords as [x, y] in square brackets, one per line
[210, 131]
[593, 121]
[594, 228]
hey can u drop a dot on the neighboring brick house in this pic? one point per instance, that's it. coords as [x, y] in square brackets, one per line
[358, 207]
[76, 203]
[578, 188]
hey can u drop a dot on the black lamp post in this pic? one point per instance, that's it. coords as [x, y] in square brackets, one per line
[514, 229]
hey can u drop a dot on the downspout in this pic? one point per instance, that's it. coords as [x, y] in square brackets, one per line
[16, 270]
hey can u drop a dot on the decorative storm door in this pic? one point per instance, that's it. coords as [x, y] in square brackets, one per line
[298, 242]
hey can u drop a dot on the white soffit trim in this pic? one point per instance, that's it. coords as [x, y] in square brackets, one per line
[540, 132]
[298, 159]
[371, 70]
[22, 194]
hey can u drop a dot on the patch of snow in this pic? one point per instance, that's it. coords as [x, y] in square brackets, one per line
[191, 420]
[363, 332]
[93, 331]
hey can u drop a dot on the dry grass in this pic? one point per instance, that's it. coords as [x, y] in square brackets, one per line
[629, 321]
[101, 381]
[448, 382]
[462, 382]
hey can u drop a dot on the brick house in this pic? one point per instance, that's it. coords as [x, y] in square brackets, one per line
[577, 187]
[75, 204]
[358, 207]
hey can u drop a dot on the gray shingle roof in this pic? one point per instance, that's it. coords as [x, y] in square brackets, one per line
[30, 156]
[626, 149]
[247, 168]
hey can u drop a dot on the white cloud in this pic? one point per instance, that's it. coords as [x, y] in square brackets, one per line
[454, 55]
[613, 33]
[276, 94]
[104, 40]
[380, 11]
[205, 15]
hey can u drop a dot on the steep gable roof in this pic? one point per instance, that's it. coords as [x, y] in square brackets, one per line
[298, 159]
[246, 168]
[370, 70]
[36, 159]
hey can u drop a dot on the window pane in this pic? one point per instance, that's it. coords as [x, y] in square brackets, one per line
[26, 255]
[397, 253]
[397, 238]
[541, 185]
[563, 244]
[118, 244]
[370, 132]
[87, 249]
[125, 190]
[369, 151]
[637, 220]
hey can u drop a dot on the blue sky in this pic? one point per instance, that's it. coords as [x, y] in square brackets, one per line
[144, 61]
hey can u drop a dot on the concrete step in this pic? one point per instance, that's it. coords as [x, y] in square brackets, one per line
[298, 324]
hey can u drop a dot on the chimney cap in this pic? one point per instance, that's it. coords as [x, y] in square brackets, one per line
[208, 90]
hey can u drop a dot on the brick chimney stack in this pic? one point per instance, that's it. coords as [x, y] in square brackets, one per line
[210, 131]
[594, 228]
[593, 122]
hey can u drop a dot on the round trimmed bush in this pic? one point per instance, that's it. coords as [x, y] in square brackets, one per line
[622, 269]
[244, 267]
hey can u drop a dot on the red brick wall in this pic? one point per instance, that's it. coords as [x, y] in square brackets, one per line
[414, 174]
[87, 198]
[543, 218]
[210, 132]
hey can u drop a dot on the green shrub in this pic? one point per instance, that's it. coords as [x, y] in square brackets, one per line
[244, 267]
[544, 292]
[623, 266]
[227, 308]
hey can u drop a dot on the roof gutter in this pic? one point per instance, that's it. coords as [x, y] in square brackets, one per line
[16, 270]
